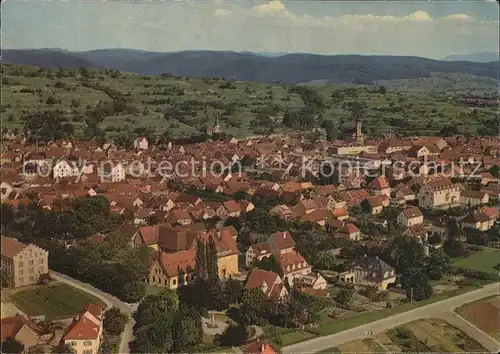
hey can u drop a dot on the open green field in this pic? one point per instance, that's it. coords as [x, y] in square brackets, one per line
[295, 336]
[55, 301]
[481, 260]
[185, 106]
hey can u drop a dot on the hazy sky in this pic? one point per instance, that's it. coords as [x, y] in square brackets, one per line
[430, 29]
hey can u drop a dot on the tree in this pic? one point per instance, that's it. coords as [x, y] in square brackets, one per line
[406, 254]
[51, 100]
[114, 321]
[11, 345]
[155, 337]
[495, 171]
[344, 296]
[435, 238]
[45, 126]
[325, 261]
[418, 283]
[270, 264]
[452, 244]
[253, 304]
[154, 306]
[63, 348]
[437, 264]
[187, 330]
[212, 262]
[234, 335]
[200, 269]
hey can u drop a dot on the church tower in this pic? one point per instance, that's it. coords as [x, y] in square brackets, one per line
[360, 137]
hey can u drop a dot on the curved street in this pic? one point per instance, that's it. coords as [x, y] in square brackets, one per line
[440, 309]
[109, 300]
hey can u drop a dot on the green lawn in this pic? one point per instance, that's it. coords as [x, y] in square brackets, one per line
[55, 301]
[333, 350]
[295, 336]
[153, 289]
[482, 260]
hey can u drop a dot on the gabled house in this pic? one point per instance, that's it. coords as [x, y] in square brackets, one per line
[179, 216]
[21, 329]
[174, 264]
[62, 169]
[374, 205]
[439, 192]
[269, 282]
[233, 208]
[478, 220]
[371, 271]
[349, 231]
[472, 198]
[257, 252]
[23, 263]
[410, 217]
[380, 185]
[146, 235]
[291, 261]
[84, 334]
[282, 211]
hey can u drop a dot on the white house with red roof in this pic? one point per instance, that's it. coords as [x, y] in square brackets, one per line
[85, 332]
[269, 282]
[380, 185]
[291, 261]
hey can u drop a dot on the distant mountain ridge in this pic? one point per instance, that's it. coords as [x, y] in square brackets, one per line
[482, 57]
[264, 67]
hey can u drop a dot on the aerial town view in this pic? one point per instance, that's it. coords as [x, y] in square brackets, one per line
[250, 177]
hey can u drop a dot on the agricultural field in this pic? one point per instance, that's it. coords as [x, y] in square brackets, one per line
[485, 260]
[438, 82]
[429, 335]
[54, 301]
[485, 314]
[184, 107]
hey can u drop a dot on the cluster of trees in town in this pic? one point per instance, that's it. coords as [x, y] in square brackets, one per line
[68, 219]
[111, 265]
[163, 324]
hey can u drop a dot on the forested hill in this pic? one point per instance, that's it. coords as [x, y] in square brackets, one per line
[289, 68]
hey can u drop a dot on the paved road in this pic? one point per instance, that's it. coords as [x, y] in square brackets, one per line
[433, 310]
[109, 300]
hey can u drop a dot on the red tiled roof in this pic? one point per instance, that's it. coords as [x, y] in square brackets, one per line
[149, 234]
[82, 329]
[174, 263]
[492, 213]
[282, 240]
[349, 228]
[290, 259]
[259, 278]
[412, 213]
[11, 247]
[232, 207]
[380, 183]
[258, 347]
[10, 326]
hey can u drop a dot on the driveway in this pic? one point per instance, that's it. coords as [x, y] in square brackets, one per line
[435, 310]
[110, 301]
